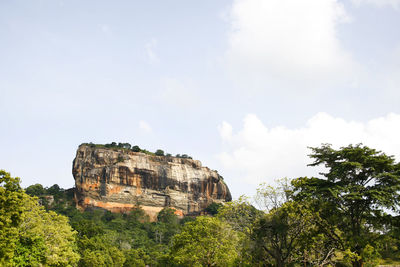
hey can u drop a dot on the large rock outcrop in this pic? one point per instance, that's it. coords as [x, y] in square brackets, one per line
[119, 180]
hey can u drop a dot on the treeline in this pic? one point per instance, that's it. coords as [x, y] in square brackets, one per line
[136, 148]
[347, 217]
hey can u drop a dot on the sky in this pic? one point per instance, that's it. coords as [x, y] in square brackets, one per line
[244, 86]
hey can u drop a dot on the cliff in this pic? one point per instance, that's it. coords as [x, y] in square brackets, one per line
[120, 179]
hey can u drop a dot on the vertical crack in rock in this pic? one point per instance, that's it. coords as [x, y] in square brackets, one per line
[119, 180]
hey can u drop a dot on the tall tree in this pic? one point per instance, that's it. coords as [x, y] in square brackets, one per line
[205, 242]
[359, 185]
[45, 237]
[11, 214]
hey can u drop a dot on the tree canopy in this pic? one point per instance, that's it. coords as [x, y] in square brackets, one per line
[354, 196]
[11, 214]
[205, 242]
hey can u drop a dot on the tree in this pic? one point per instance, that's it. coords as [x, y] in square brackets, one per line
[283, 235]
[270, 197]
[136, 149]
[11, 214]
[213, 208]
[159, 152]
[100, 251]
[167, 215]
[241, 216]
[205, 242]
[360, 183]
[136, 257]
[35, 190]
[44, 237]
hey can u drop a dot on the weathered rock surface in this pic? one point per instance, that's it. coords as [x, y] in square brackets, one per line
[118, 180]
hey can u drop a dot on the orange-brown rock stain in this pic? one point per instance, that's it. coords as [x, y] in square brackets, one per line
[114, 189]
[111, 206]
[90, 186]
[137, 182]
[152, 212]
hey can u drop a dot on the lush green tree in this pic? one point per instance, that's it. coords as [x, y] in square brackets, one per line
[35, 190]
[100, 250]
[55, 191]
[136, 257]
[136, 149]
[87, 227]
[167, 215]
[205, 242]
[359, 185]
[30, 251]
[166, 227]
[281, 233]
[159, 152]
[11, 215]
[213, 208]
[45, 237]
[240, 214]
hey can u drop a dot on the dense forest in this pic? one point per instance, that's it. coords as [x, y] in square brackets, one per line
[346, 217]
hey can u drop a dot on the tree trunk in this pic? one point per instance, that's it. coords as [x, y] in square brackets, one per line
[279, 262]
[358, 263]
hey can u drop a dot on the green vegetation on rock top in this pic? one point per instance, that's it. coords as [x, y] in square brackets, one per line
[129, 147]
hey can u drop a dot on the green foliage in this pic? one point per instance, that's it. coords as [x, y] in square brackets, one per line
[167, 215]
[136, 149]
[281, 232]
[159, 152]
[120, 158]
[240, 214]
[213, 208]
[100, 250]
[35, 190]
[45, 237]
[360, 183]
[136, 257]
[30, 251]
[11, 215]
[205, 242]
[31, 236]
[183, 156]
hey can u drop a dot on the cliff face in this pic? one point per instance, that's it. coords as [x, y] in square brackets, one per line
[119, 180]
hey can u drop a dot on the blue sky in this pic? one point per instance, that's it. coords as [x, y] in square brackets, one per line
[243, 85]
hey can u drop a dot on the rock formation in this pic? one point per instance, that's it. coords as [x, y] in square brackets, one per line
[120, 179]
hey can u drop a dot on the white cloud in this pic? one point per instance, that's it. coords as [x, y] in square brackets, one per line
[151, 55]
[225, 131]
[380, 3]
[145, 127]
[281, 40]
[260, 154]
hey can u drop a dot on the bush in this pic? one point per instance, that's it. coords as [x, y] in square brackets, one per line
[159, 152]
[136, 149]
[35, 190]
[213, 208]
